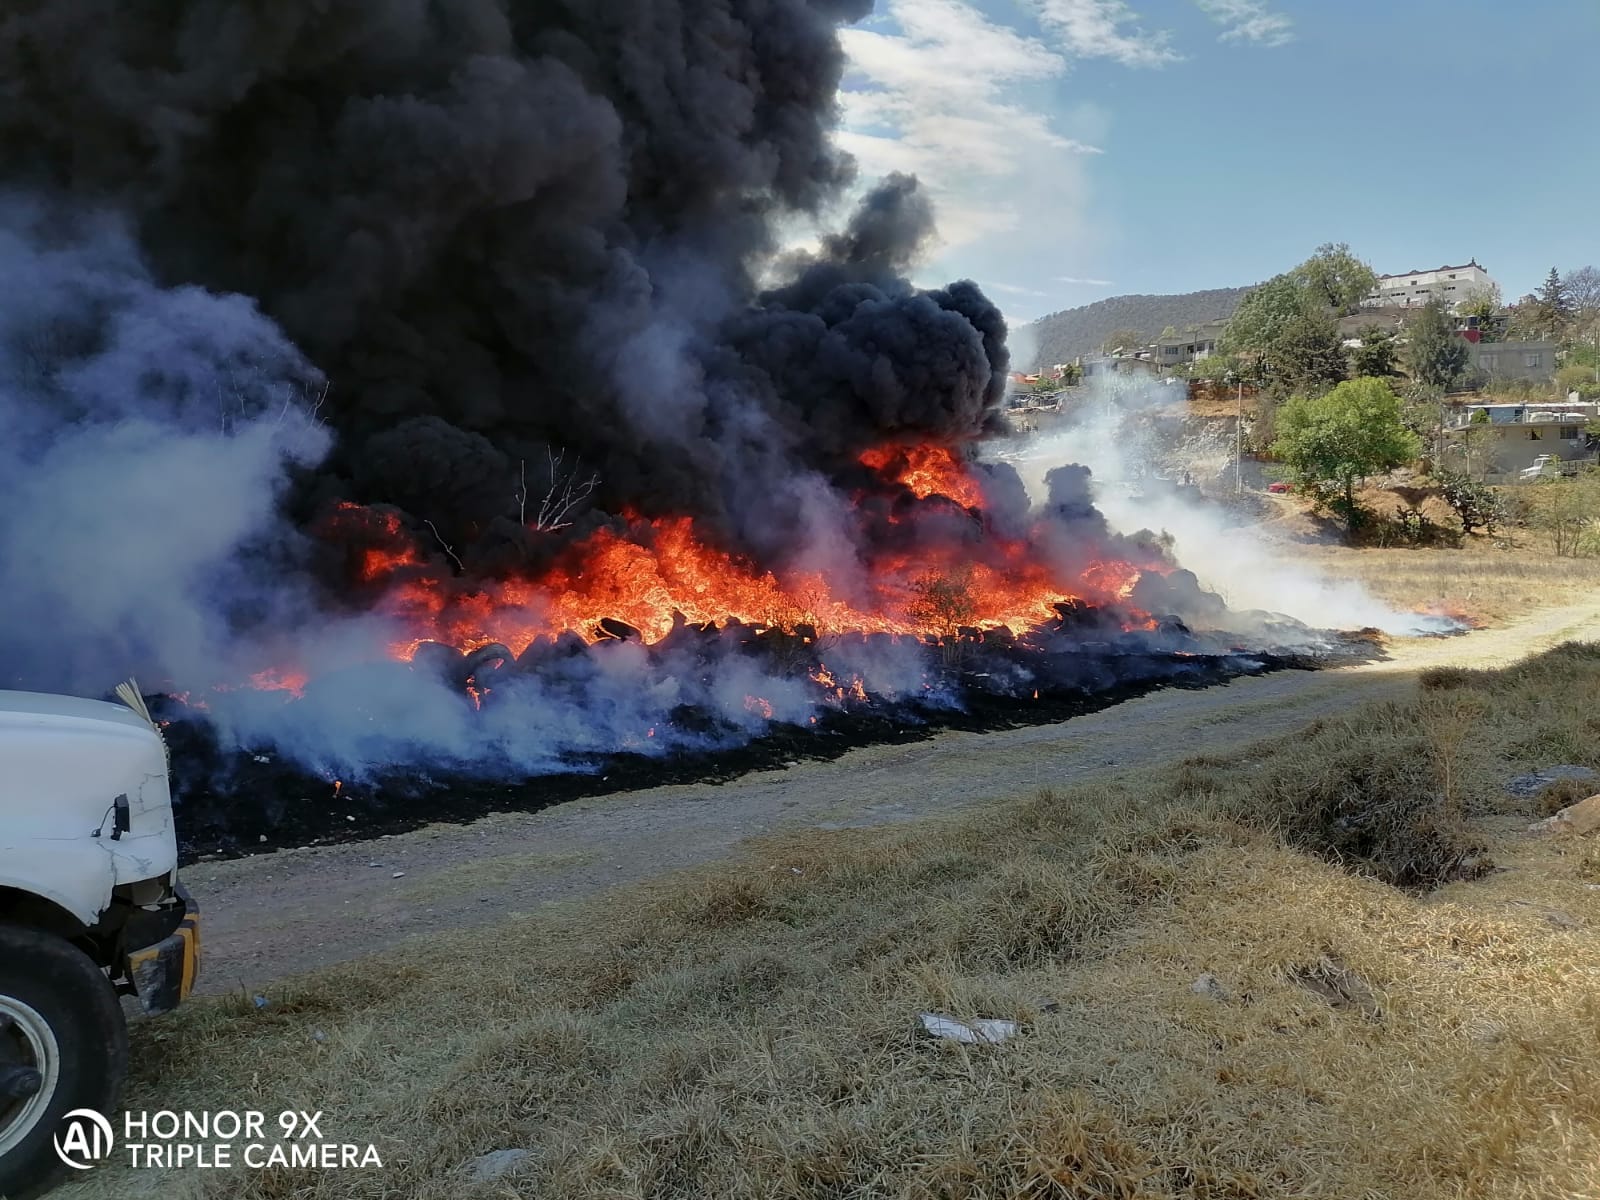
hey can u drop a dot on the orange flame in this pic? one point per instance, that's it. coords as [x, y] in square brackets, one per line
[926, 471]
[659, 573]
[655, 574]
[276, 680]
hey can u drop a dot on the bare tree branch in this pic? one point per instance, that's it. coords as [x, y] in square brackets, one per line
[448, 549]
[567, 492]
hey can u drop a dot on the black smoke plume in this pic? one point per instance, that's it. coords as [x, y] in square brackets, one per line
[297, 287]
[507, 230]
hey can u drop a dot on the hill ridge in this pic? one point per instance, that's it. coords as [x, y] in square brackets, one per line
[1063, 336]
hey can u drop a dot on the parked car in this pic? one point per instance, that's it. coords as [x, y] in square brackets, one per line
[90, 911]
[1278, 488]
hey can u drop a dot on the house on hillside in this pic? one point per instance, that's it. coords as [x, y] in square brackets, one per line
[1514, 361]
[1414, 288]
[1101, 365]
[1192, 344]
[1508, 438]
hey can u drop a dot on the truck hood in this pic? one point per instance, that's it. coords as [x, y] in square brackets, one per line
[63, 763]
[22, 711]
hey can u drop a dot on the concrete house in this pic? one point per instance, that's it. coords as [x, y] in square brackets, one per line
[1412, 289]
[1512, 361]
[1509, 438]
[1189, 345]
[1099, 365]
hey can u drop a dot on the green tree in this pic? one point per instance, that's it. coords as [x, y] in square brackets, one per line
[1307, 356]
[1552, 309]
[1335, 279]
[1575, 377]
[1484, 303]
[1376, 355]
[1262, 315]
[1340, 438]
[1288, 323]
[1436, 354]
[1552, 295]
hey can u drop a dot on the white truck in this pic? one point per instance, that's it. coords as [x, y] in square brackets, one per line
[90, 911]
[1547, 467]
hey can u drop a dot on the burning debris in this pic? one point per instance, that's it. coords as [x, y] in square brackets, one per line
[399, 387]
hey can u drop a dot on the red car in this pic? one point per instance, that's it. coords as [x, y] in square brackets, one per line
[1278, 489]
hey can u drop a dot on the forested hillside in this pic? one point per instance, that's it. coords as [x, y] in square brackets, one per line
[1062, 336]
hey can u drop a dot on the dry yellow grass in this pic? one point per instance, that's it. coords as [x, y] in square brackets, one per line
[1488, 579]
[487, 872]
[750, 1030]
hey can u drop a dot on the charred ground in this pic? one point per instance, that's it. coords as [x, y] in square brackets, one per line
[234, 802]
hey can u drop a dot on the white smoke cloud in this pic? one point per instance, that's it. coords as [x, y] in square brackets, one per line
[150, 434]
[1137, 486]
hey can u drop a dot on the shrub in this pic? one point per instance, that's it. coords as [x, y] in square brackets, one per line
[1476, 505]
[1567, 512]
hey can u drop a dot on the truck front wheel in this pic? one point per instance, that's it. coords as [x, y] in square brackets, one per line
[63, 1045]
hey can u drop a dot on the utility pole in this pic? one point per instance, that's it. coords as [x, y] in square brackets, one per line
[1238, 436]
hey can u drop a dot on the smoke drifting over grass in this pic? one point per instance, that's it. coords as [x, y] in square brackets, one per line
[1139, 484]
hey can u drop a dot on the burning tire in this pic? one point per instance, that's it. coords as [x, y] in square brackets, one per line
[63, 1045]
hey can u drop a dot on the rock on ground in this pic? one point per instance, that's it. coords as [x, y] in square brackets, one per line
[1580, 818]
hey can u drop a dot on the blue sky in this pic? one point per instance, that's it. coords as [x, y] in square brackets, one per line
[1079, 149]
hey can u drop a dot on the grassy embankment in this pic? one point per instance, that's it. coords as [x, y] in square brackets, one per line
[1490, 582]
[1397, 1018]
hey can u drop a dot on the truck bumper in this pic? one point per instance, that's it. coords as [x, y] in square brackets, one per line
[163, 974]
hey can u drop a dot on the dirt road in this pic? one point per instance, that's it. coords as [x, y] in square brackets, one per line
[276, 914]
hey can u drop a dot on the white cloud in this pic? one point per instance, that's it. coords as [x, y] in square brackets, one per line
[937, 99]
[969, 103]
[1105, 29]
[1249, 21]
